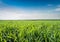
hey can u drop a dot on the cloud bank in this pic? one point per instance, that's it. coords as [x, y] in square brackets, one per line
[20, 14]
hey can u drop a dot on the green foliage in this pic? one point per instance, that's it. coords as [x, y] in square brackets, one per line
[29, 31]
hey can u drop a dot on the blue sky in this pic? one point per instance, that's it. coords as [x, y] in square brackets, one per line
[29, 9]
[32, 3]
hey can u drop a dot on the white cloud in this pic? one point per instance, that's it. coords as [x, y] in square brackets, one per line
[58, 6]
[57, 9]
[50, 5]
[16, 13]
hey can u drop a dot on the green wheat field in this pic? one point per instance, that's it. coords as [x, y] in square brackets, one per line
[30, 31]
